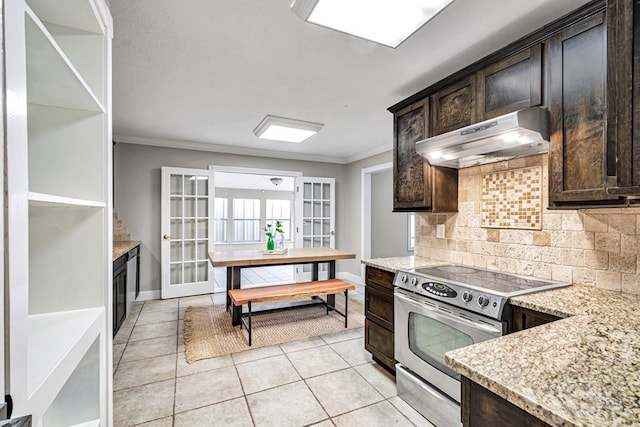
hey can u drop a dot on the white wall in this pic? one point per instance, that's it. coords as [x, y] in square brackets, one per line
[137, 196]
[389, 233]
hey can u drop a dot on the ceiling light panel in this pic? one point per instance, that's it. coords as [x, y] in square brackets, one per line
[287, 130]
[388, 22]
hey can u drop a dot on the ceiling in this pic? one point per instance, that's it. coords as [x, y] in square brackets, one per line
[202, 74]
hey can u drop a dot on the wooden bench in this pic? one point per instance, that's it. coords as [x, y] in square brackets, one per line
[292, 291]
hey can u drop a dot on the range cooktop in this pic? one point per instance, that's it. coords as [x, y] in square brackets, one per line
[475, 289]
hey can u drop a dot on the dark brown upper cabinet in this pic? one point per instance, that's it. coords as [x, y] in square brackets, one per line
[454, 106]
[590, 80]
[418, 186]
[511, 84]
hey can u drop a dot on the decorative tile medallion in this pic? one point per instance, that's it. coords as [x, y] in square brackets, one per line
[512, 199]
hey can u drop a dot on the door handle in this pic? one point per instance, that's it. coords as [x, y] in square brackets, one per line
[166, 237]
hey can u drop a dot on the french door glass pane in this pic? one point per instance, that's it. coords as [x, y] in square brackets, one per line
[189, 228]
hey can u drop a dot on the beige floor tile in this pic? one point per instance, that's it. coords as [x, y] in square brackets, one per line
[343, 391]
[266, 373]
[379, 378]
[141, 404]
[160, 305]
[163, 422]
[196, 301]
[201, 365]
[316, 361]
[123, 334]
[325, 423]
[153, 347]
[181, 346]
[255, 354]
[381, 414]
[352, 351]
[206, 388]
[347, 334]
[153, 316]
[118, 349]
[145, 371]
[288, 405]
[154, 330]
[409, 412]
[129, 322]
[231, 413]
[304, 344]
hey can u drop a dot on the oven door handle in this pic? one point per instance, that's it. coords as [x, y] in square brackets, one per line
[441, 315]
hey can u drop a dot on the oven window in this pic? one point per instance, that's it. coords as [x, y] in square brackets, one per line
[430, 339]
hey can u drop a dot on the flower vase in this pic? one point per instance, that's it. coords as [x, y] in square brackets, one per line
[270, 243]
[279, 241]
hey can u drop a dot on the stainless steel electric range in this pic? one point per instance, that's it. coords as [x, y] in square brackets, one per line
[442, 308]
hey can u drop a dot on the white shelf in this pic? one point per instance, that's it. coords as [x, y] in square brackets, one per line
[57, 342]
[50, 200]
[45, 59]
[79, 14]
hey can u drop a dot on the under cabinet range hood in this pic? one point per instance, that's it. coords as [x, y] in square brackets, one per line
[518, 134]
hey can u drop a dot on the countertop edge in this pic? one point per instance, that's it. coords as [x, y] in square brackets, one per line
[121, 247]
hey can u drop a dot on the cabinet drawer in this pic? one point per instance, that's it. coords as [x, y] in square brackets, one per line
[379, 342]
[378, 306]
[380, 277]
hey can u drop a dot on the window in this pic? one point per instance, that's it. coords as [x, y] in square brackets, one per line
[220, 219]
[246, 220]
[280, 210]
[411, 231]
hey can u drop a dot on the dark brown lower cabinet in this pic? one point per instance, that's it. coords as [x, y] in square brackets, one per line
[524, 318]
[378, 308]
[483, 408]
[119, 292]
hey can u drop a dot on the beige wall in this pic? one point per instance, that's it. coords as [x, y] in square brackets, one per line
[595, 247]
[389, 230]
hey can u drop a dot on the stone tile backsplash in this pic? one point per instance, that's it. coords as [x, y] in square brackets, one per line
[595, 247]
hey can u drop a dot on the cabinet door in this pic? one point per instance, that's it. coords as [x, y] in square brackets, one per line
[511, 84]
[418, 186]
[578, 144]
[379, 342]
[524, 318]
[455, 106]
[411, 178]
[623, 20]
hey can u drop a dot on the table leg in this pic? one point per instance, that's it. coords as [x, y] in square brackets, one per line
[314, 272]
[229, 286]
[331, 299]
[236, 311]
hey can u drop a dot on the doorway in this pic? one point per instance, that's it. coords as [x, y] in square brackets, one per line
[384, 233]
[246, 199]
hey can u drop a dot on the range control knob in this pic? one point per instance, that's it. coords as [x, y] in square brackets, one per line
[483, 301]
[467, 296]
[404, 278]
[414, 281]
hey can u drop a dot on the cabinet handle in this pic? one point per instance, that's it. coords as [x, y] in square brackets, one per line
[166, 237]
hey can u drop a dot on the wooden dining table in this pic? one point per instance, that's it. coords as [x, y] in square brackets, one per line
[235, 261]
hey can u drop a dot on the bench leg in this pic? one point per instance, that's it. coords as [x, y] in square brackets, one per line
[346, 306]
[249, 328]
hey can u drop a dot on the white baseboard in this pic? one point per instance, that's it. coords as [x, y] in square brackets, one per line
[148, 295]
[353, 278]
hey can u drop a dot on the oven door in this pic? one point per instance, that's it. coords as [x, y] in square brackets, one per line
[425, 330]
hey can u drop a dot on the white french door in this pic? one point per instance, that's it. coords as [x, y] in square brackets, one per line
[186, 232]
[315, 219]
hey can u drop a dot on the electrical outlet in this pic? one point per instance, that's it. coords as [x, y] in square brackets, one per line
[440, 231]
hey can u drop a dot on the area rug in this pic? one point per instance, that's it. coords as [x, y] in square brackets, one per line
[208, 331]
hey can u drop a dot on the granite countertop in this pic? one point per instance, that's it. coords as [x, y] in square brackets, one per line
[395, 263]
[122, 247]
[583, 370]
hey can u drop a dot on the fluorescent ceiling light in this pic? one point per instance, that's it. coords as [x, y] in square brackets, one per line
[287, 130]
[388, 22]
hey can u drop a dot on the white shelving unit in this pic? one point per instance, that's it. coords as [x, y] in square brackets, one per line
[58, 79]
